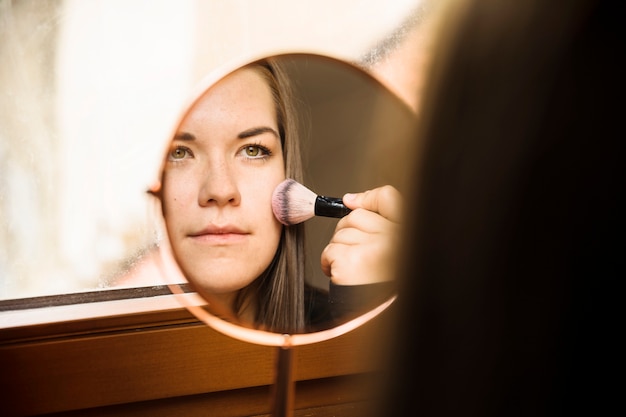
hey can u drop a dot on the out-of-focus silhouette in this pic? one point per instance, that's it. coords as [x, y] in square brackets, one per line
[509, 296]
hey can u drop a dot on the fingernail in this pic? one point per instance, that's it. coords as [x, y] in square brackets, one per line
[349, 197]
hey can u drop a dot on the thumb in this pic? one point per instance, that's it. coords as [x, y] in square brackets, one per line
[385, 200]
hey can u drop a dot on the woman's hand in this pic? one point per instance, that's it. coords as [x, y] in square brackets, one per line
[365, 243]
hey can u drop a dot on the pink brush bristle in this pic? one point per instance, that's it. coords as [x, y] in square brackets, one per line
[292, 202]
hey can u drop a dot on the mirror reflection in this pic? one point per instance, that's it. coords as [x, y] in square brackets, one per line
[322, 123]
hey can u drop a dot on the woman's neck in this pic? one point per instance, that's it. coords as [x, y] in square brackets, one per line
[228, 307]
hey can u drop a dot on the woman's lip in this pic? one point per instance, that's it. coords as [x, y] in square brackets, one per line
[219, 235]
[220, 238]
[219, 230]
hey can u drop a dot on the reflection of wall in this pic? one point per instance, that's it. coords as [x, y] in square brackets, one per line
[355, 127]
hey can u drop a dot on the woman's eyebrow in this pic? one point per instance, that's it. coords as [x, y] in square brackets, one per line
[257, 131]
[184, 136]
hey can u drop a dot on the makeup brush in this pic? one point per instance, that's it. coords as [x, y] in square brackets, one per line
[293, 203]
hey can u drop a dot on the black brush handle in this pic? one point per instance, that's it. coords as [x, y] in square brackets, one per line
[330, 207]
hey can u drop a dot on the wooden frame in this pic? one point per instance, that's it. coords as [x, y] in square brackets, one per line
[148, 356]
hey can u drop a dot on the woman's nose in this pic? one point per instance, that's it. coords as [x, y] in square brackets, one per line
[219, 186]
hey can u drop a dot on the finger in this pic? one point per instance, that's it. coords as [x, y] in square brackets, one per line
[352, 236]
[357, 264]
[337, 261]
[364, 220]
[328, 257]
[385, 200]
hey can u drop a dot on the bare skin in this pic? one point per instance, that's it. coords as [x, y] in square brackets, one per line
[364, 245]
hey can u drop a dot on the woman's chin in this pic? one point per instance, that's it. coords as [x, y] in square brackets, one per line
[221, 284]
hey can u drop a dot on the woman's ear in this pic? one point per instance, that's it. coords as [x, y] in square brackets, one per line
[155, 189]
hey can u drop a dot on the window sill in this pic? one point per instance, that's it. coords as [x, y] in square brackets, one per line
[134, 354]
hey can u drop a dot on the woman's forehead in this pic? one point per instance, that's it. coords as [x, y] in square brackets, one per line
[241, 97]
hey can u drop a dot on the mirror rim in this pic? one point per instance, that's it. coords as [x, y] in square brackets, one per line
[172, 275]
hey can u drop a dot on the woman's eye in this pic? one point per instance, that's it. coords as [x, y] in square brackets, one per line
[255, 151]
[179, 153]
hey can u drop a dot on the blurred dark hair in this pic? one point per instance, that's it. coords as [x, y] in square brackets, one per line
[508, 298]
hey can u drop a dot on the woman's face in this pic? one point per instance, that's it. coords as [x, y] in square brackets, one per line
[223, 165]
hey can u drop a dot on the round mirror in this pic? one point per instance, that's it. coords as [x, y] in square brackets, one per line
[332, 129]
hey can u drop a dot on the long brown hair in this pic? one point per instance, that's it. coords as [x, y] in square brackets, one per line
[279, 291]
